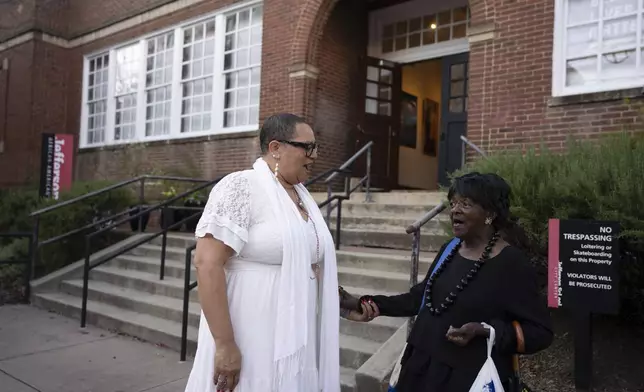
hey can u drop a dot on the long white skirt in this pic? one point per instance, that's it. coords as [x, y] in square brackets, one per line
[252, 298]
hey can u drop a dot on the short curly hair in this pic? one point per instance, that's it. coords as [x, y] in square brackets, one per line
[488, 190]
[493, 194]
[279, 126]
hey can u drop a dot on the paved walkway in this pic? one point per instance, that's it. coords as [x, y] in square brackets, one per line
[45, 352]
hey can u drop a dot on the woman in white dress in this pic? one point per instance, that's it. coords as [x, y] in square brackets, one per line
[267, 275]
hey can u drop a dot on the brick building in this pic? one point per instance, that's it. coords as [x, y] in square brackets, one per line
[180, 86]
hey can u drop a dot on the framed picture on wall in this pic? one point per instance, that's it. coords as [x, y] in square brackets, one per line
[409, 120]
[430, 126]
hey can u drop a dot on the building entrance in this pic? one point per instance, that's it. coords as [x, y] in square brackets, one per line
[414, 96]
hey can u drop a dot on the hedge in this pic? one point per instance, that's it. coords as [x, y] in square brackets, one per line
[17, 204]
[596, 180]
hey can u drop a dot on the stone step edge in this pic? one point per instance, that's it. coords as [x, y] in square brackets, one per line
[170, 328]
[152, 323]
[140, 297]
[354, 252]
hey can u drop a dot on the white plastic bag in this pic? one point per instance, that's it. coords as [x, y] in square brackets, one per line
[488, 378]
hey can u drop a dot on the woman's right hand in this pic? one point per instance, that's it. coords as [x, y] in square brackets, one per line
[227, 366]
[369, 312]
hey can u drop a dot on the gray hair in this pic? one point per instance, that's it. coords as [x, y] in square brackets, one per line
[279, 126]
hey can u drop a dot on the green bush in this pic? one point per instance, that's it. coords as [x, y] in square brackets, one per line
[600, 180]
[17, 204]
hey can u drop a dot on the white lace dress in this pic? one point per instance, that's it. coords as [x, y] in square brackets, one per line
[238, 214]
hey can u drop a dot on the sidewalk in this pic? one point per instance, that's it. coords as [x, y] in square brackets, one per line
[45, 352]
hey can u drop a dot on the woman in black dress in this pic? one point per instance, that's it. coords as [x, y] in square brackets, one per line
[486, 278]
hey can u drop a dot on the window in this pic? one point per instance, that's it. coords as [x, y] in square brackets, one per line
[199, 78]
[158, 84]
[242, 67]
[97, 98]
[598, 46]
[425, 30]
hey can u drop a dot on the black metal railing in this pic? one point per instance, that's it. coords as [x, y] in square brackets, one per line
[415, 230]
[468, 142]
[187, 287]
[27, 262]
[37, 244]
[89, 265]
[331, 175]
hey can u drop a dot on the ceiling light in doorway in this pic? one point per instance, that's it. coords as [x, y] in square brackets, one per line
[433, 26]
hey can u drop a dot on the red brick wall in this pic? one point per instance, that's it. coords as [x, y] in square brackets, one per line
[89, 15]
[21, 145]
[190, 158]
[16, 17]
[510, 86]
[343, 42]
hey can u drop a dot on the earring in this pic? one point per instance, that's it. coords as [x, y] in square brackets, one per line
[488, 221]
[277, 166]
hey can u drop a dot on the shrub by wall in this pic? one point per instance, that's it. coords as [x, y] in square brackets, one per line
[600, 180]
[17, 204]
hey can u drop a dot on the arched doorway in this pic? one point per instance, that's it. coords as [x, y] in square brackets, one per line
[356, 92]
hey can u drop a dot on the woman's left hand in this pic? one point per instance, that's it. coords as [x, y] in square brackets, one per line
[463, 335]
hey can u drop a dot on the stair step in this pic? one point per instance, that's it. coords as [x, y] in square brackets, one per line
[373, 279]
[152, 265]
[408, 211]
[382, 222]
[154, 251]
[142, 281]
[381, 260]
[378, 330]
[347, 379]
[156, 305]
[152, 329]
[431, 240]
[354, 350]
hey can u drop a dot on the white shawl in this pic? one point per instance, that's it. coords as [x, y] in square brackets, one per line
[292, 305]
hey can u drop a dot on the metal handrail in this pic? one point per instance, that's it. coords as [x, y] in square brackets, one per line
[26, 262]
[164, 232]
[37, 244]
[474, 146]
[414, 229]
[332, 174]
[187, 287]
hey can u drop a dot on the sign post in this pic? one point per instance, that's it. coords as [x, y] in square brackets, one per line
[56, 164]
[583, 276]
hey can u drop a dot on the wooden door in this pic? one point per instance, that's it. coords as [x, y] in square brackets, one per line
[454, 86]
[379, 109]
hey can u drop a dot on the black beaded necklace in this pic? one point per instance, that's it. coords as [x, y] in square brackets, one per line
[449, 300]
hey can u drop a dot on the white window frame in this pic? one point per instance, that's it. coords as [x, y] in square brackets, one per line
[380, 18]
[559, 59]
[217, 119]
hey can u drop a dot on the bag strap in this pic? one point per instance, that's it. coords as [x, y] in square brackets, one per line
[448, 249]
[518, 331]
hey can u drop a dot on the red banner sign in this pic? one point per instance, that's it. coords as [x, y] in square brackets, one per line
[57, 163]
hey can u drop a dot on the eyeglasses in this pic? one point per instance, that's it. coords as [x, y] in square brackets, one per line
[310, 148]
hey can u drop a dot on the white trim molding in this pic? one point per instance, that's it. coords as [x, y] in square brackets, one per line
[598, 46]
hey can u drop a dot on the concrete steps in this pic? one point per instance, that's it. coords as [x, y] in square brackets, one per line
[127, 295]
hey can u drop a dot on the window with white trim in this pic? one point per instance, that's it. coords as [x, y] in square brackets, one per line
[200, 78]
[158, 84]
[598, 46]
[242, 67]
[97, 98]
[425, 30]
